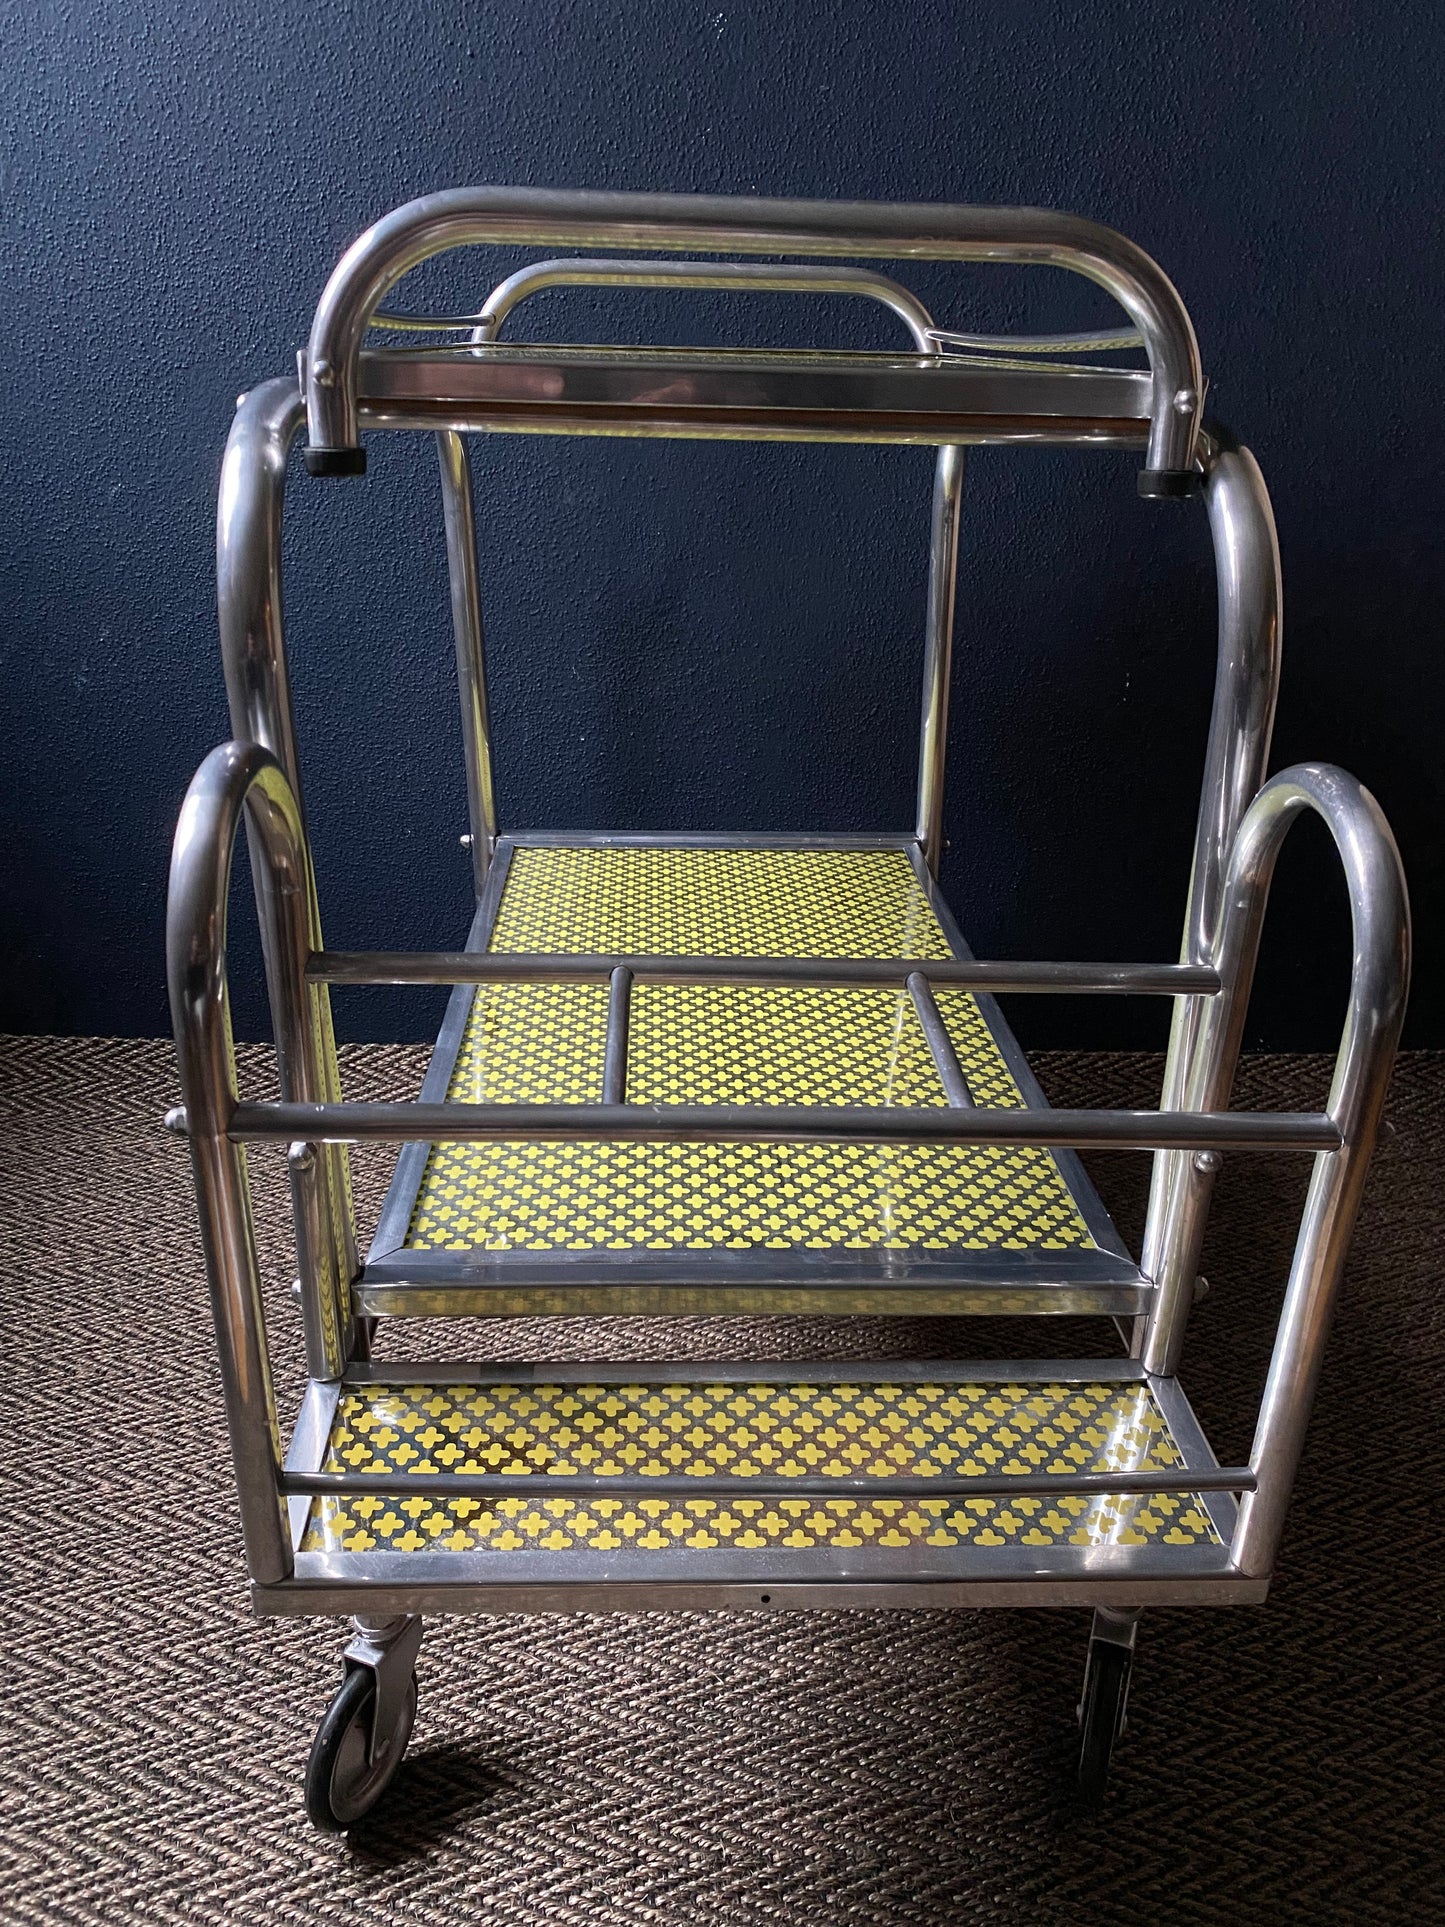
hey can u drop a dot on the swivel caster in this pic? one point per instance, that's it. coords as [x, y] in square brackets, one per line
[1103, 1708]
[365, 1730]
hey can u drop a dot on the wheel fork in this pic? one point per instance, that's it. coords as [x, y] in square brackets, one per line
[388, 1649]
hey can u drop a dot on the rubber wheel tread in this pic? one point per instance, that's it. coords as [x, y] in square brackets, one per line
[1102, 1717]
[346, 1721]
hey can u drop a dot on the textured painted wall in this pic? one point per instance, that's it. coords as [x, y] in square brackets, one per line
[683, 635]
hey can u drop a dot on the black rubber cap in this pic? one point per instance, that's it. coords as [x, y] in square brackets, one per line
[336, 461]
[1169, 484]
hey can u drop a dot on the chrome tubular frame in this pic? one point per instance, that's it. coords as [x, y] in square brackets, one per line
[236, 777]
[1241, 826]
[503, 216]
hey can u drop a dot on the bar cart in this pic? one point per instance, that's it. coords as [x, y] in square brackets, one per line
[712, 1073]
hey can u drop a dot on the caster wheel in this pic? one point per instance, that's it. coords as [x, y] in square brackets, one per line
[1106, 1690]
[342, 1784]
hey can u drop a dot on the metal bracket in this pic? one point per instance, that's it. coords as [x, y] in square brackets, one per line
[388, 1649]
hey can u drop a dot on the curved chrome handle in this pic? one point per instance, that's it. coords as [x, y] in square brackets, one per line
[1379, 982]
[1380, 917]
[473, 217]
[237, 779]
[791, 278]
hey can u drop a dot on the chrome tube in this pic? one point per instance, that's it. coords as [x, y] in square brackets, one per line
[456, 473]
[471, 217]
[425, 1123]
[619, 1023]
[231, 779]
[1380, 919]
[938, 650]
[940, 1044]
[560, 967]
[976, 1485]
[715, 275]
[248, 571]
[1379, 983]
[258, 689]
[1246, 687]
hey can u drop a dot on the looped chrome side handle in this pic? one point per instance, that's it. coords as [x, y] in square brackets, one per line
[475, 217]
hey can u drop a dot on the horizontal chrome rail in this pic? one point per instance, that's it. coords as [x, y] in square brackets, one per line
[781, 1124]
[984, 1485]
[472, 217]
[359, 967]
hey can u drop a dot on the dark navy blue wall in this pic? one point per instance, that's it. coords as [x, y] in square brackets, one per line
[681, 635]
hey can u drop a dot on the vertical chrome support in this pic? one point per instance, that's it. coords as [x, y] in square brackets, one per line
[258, 687]
[1246, 686]
[619, 1022]
[248, 571]
[233, 778]
[938, 649]
[456, 476]
[1380, 974]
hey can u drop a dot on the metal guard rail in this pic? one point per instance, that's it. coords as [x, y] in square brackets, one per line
[505, 216]
[238, 779]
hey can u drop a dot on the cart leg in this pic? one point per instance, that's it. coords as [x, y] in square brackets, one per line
[1103, 1707]
[365, 1730]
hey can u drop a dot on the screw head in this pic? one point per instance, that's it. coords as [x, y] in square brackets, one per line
[1206, 1162]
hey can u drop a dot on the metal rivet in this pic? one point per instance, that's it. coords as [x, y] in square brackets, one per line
[1186, 401]
[1207, 1161]
[465, 841]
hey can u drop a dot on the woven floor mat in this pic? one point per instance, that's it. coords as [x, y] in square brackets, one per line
[1282, 1764]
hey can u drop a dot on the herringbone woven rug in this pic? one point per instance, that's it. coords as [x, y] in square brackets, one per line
[1282, 1764]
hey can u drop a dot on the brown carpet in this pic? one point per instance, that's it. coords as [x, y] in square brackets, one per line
[1282, 1763]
